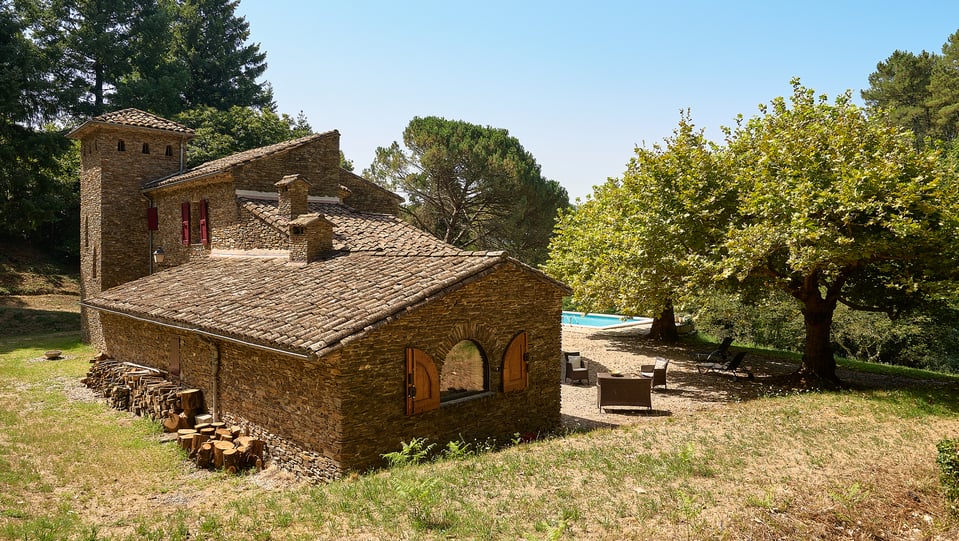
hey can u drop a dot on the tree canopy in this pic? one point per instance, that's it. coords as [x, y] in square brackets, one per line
[834, 206]
[634, 245]
[815, 199]
[471, 186]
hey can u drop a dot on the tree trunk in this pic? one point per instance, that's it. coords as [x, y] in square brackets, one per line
[664, 326]
[818, 359]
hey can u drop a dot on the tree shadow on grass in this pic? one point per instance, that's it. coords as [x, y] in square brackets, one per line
[16, 321]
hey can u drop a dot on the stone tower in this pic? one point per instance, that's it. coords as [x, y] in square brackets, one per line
[119, 152]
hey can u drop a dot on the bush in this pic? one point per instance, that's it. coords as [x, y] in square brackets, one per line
[948, 461]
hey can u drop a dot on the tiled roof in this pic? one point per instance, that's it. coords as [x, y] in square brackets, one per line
[227, 163]
[308, 309]
[355, 231]
[135, 118]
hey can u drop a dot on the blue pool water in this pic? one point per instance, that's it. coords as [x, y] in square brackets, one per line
[602, 321]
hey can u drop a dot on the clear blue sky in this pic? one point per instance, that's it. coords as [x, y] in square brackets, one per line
[580, 84]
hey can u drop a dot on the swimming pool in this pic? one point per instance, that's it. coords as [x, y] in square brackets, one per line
[602, 321]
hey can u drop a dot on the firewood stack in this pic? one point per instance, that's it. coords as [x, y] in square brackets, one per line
[146, 391]
[213, 445]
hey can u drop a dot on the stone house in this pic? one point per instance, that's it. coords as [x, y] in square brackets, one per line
[293, 296]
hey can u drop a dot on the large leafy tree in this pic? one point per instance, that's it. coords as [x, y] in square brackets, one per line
[835, 206]
[634, 247]
[31, 193]
[223, 68]
[472, 186]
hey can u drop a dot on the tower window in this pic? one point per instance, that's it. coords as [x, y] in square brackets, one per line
[146, 148]
[121, 146]
[169, 150]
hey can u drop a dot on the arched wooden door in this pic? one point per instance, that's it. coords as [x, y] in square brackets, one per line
[515, 360]
[422, 382]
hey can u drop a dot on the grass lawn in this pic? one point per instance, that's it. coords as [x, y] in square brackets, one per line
[851, 464]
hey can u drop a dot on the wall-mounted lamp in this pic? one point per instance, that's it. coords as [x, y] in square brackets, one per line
[158, 256]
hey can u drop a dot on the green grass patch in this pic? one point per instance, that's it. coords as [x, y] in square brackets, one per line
[794, 466]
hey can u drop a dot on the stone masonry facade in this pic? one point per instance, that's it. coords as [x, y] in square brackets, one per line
[292, 296]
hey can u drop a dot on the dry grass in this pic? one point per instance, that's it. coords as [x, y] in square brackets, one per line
[851, 464]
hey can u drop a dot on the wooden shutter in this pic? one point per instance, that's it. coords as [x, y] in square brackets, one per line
[153, 219]
[422, 382]
[515, 377]
[185, 220]
[204, 232]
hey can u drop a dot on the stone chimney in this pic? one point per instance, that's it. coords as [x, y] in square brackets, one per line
[311, 236]
[293, 191]
[344, 193]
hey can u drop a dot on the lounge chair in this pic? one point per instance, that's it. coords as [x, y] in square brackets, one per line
[576, 368]
[732, 367]
[720, 354]
[656, 371]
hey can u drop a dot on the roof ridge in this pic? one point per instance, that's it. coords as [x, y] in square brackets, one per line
[226, 163]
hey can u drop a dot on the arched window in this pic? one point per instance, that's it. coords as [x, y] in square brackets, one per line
[169, 150]
[464, 372]
[146, 148]
[121, 146]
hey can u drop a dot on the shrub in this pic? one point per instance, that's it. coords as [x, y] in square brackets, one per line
[948, 461]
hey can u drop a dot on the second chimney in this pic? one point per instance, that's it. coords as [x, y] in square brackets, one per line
[293, 191]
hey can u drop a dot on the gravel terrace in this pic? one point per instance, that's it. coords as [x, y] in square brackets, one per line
[625, 350]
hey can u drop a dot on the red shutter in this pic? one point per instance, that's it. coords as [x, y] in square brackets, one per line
[185, 217]
[422, 382]
[515, 375]
[204, 232]
[153, 219]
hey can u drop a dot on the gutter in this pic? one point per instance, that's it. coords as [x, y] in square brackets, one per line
[207, 334]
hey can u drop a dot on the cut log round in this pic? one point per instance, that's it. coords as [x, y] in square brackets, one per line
[191, 399]
[171, 423]
[204, 455]
[230, 459]
[218, 448]
[186, 441]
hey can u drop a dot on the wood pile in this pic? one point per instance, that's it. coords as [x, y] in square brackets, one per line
[146, 391]
[214, 445]
[142, 390]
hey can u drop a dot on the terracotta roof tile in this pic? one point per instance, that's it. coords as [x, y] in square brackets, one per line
[265, 300]
[136, 118]
[356, 231]
[227, 163]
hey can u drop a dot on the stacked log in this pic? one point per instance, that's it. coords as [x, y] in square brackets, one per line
[146, 391]
[140, 389]
[224, 448]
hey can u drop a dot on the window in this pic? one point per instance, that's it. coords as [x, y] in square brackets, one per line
[185, 222]
[121, 146]
[169, 150]
[464, 372]
[204, 227]
[146, 148]
[94, 263]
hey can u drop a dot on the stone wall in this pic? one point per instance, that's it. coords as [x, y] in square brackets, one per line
[489, 311]
[113, 224]
[367, 196]
[290, 403]
[317, 162]
[346, 409]
[249, 233]
[222, 215]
